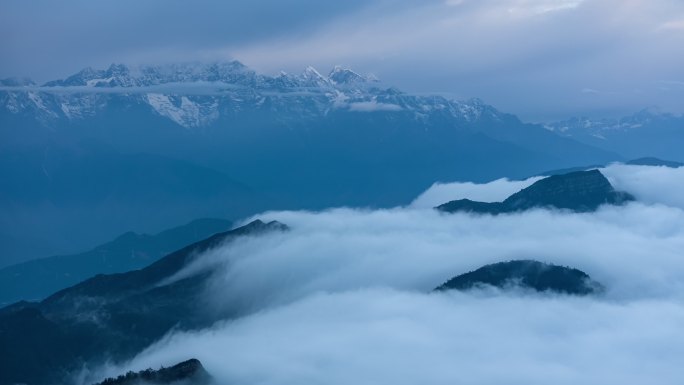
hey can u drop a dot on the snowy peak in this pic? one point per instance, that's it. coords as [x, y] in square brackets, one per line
[648, 115]
[195, 95]
[232, 72]
[312, 78]
[340, 75]
[117, 75]
[120, 75]
[600, 128]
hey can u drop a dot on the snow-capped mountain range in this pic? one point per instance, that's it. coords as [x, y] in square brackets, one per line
[602, 126]
[647, 132]
[197, 95]
[145, 148]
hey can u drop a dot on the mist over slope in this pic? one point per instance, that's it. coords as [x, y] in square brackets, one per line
[344, 296]
[34, 280]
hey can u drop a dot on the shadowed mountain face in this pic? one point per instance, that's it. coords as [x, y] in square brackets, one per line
[108, 316]
[190, 372]
[35, 280]
[526, 274]
[580, 191]
[61, 189]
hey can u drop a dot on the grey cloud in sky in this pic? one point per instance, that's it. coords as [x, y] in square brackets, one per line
[535, 58]
[45, 39]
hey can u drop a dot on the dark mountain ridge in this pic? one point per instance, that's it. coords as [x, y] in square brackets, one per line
[579, 191]
[190, 372]
[528, 274]
[36, 279]
[108, 317]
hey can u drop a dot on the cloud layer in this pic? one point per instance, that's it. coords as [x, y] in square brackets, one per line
[344, 297]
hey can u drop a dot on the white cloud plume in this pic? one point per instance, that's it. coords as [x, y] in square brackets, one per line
[649, 184]
[494, 191]
[373, 106]
[344, 297]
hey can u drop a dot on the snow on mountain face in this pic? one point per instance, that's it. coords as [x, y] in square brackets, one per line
[340, 75]
[197, 95]
[182, 110]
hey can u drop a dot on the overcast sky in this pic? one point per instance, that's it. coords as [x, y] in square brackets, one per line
[540, 59]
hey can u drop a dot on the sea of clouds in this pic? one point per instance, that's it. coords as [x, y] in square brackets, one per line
[345, 296]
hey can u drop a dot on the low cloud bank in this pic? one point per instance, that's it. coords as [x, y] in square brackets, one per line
[373, 106]
[648, 184]
[663, 185]
[385, 336]
[495, 191]
[344, 297]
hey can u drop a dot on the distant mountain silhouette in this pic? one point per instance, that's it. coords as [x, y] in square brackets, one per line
[36, 279]
[579, 191]
[647, 161]
[526, 274]
[649, 132]
[651, 161]
[108, 317]
[190, 372]
[75, 196]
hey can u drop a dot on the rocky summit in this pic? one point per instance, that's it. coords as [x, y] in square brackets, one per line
[190, 372]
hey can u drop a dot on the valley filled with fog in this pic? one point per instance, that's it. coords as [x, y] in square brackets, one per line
[345, 296]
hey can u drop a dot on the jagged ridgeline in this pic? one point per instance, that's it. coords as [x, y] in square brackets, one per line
[36, 279]
[580, 191]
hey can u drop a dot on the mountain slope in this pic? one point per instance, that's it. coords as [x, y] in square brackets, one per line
[36, 279]
[190, 372]
[579, 191]
[528, 274]
[69, 197]
[303, 141]
[108, 317]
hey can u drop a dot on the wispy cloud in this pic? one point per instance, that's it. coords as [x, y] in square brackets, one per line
[372, 106]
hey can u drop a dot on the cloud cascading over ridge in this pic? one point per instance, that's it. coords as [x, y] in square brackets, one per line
[344, 297]
[495, 191]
